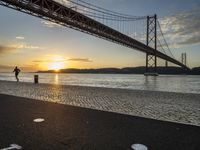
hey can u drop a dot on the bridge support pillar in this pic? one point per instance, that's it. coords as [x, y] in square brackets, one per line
[151, 59]
[151, 65]
[166, 63]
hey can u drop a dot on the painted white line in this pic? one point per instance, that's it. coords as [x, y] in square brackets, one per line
[139, 147]
[12, 146]
[38, 120]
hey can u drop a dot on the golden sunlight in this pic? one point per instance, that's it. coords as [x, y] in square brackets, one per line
[56, 66]
[57, 63]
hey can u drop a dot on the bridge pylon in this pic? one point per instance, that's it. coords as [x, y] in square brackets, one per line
[151, 39]
[184, 59]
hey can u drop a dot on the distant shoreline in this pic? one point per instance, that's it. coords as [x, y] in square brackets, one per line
[129, 70]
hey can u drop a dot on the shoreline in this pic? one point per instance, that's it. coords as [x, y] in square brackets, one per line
[167, 106]
[84, 86]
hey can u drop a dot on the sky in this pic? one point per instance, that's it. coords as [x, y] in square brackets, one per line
[34, 44]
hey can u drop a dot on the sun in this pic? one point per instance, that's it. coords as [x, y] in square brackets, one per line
[56, 66]
[54, 62]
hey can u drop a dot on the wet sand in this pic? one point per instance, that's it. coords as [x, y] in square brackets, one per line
[166, 106]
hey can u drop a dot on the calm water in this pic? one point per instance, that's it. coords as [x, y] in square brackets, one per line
[172, 83]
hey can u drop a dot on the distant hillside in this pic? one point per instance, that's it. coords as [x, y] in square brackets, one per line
[195, 71]
[129, 70]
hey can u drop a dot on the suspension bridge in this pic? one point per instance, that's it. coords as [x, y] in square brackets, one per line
[142, 33]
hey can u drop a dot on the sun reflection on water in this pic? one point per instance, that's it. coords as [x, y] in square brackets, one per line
[56, 78]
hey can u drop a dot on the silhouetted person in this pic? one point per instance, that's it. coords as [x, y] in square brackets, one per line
[16, 70]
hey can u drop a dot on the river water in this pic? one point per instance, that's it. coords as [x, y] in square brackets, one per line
[171, 83]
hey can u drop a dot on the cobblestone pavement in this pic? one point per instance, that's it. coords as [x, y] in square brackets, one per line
[167, 106]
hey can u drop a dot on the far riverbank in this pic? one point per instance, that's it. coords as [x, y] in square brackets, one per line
[131, 70]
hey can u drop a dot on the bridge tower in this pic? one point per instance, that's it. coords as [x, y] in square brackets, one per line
[151, 59]
[184, 58]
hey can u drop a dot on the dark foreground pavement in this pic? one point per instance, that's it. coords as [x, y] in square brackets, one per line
[73, 128]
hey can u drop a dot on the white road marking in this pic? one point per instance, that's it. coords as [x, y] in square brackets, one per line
[139, 147]
[12, 146]
[38, 120]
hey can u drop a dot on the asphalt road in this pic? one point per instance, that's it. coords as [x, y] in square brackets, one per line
[74, 128]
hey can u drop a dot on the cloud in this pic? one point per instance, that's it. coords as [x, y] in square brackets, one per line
[49, 60]
[7, 49]
[50, 24]
[24, 46]
[27, 46]
[15, 48]
[183, 28]
[20, 37]
[39, 61]
[44, 61]
[4, 67]
[63, 60]
[80, 59]
[24, 68]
